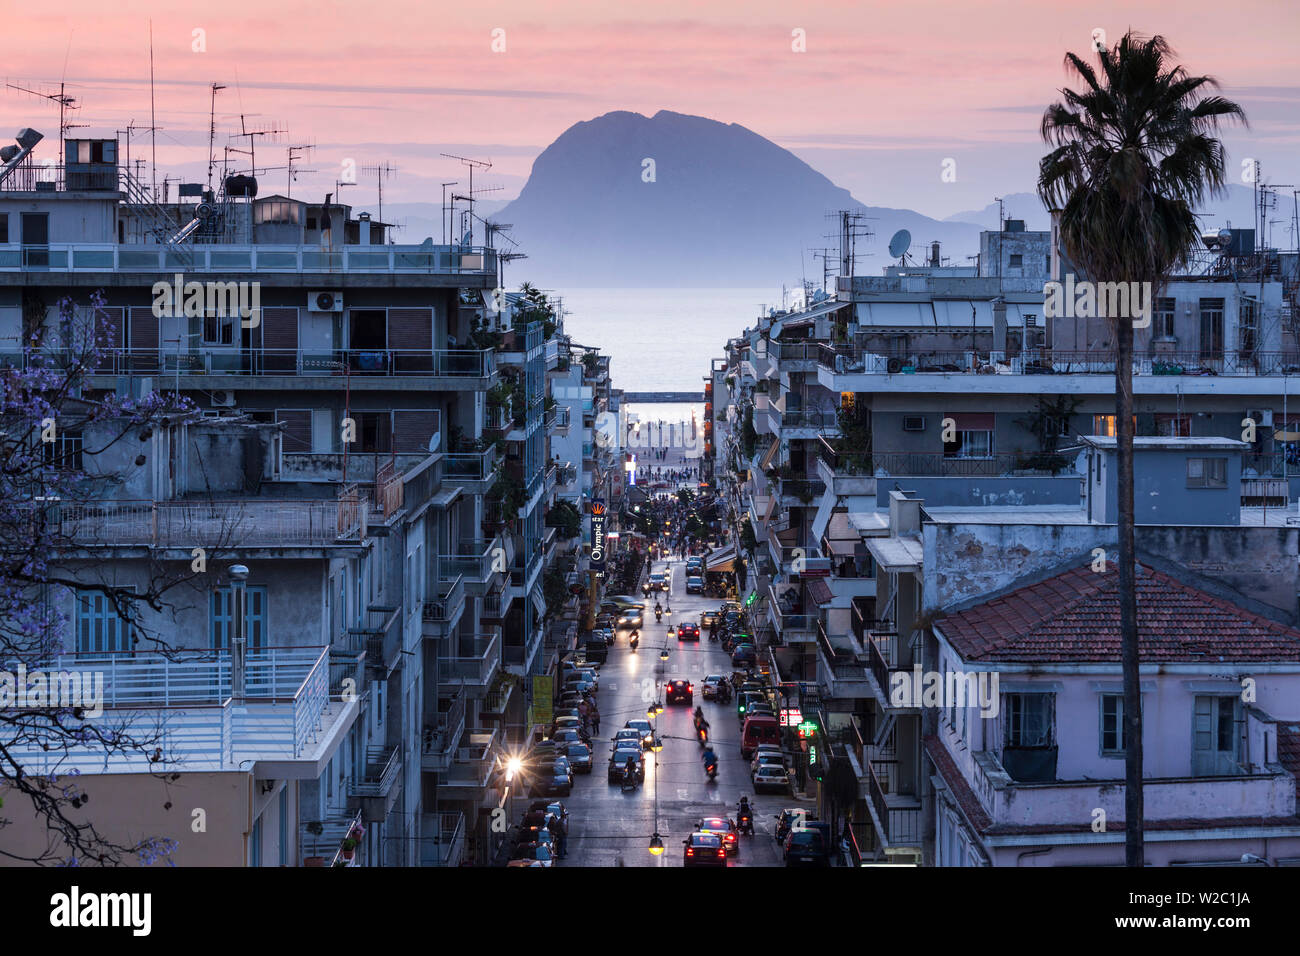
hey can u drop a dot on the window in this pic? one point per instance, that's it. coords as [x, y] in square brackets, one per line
[970, 444]
[1211, 328]
[221, 618]
[99, 628]
[276, 212]
[1104, 426]
[1207, 473]
[1114, 735]
[1173, 426]
[1163, 323]
[1017, 260]
[1247, 325]
[4, 228]
[1030, 720]
[374, 431]
[64, 453]
[219, 330]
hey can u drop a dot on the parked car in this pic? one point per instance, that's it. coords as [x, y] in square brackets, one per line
[711, 685]
[772, 751]
[694, 584]
[569, 735]
[704, 849]
[763, 755]
[758, 730]
[579, 757]
[809, 846]
[688, 631]
[533, 854]
[597, 648]
[556, 779]
[679, 691]
[770, 776]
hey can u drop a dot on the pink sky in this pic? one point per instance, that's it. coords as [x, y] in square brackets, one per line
[883, 94]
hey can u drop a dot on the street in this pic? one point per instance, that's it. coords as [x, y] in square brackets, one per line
[611, 828]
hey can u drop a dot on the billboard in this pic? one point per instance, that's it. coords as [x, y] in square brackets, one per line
[599, 515]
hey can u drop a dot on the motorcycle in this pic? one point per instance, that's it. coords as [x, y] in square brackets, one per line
[635, 640]
[703, 734]
[782, 828]
[629, 781]
[745, 821]
[711, 768]
[658, 615]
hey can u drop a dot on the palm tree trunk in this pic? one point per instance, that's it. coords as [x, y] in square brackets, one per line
[1133, 809]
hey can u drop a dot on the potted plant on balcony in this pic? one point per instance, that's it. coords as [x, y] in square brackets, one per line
[315, 828]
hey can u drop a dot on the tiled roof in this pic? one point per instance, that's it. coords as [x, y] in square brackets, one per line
[1073, 617]
[1288, 746]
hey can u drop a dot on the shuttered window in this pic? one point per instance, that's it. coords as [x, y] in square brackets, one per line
[297, 429]
[412, 429]
[410, 329]
[279, 328]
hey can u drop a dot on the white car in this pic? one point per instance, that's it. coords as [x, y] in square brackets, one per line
[770, 776]
[766, 760]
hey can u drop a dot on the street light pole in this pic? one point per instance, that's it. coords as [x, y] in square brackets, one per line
[239, 613]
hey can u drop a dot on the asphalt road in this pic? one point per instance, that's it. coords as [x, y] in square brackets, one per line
[608, 827]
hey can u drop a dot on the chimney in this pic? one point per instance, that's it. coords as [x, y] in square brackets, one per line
[363, 228]
[934, 254]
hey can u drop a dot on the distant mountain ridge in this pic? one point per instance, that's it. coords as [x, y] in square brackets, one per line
[678, 200]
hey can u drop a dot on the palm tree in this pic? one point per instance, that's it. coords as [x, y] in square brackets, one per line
[1134, 156]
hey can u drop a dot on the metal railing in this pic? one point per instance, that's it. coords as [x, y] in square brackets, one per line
[449, 600]
[383, 764]
[227, 360]
[845, 358]
[474, 561]
[469, 466]
[222, 258]
[476, 661]
[940, 465]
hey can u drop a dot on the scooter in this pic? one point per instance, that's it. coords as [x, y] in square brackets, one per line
[745, 821]
[658, 615]
[634, 641]
[629, 781]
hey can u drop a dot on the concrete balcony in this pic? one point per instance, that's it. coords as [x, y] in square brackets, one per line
[283, 722]
[440, 739]
[792, 628]
[383, 639]
[442, 839]
[442, 615]
[478, 561]
[896, 817]
[841, 668]
[471, 768]
[320, 842]
[476, 662]
[377, 791]
[474, 471]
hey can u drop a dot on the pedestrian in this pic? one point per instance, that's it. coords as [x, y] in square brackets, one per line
[595, 719]
[557, 831]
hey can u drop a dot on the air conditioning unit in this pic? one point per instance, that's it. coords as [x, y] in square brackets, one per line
[325, 301]
[223, 398]
[1261, 416]
[913, 423]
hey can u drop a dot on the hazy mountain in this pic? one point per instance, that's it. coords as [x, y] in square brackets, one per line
[1024, 206]
[726, 207]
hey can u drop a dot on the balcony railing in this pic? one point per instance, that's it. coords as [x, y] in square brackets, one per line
[469, 466]
[448, 604]
[383, 766]
[939, 465]
[476, 660]
[474, 561]
[901, 826]
[442, 838]
[327, 845]
[247, 522]
[849, 359]
[443, 363]
[256, 258]
[440, 738]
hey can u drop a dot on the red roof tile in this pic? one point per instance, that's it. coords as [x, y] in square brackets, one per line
[1073, 617]
[1288, 746]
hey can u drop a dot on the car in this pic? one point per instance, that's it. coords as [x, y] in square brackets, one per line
[579, 757]
[808, 846]
[618, 760]
[747, 698]
[744, 654]
[581, 683]
[688, 631]
[629, 734]
[569, 669]
[647, 732]
[606, 619]
[724, 828]
[704, 849]
[757, 730]
[710, 618]
[694, 584]
[539, 814]
[763, 755]
[771, 750]
[712, 684]
[770, 776]
[679, 691]
[658, 581]
[566, 722]
[555, 779]
[536, 854]
[632, 617]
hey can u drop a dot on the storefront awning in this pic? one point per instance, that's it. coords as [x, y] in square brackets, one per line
[723, 560]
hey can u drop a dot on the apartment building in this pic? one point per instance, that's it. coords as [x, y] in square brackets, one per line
[371, 445]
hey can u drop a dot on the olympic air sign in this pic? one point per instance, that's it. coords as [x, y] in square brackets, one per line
[598, 517]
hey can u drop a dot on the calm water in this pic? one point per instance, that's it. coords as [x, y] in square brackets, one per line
[662, 339]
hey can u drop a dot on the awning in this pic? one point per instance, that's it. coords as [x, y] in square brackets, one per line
[723, 560]
[972, 421]
[445, 497]
[896, 554]
[819, 592]
[766, 462]
[895, 315]
[823, 516]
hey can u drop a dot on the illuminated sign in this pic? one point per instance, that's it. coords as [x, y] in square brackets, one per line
[791, 717]
[598, 519]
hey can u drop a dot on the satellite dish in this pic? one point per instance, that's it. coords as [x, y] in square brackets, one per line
[434, 441]
[900, 243]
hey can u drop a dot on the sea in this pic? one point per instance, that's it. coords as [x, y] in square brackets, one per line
[663, 340]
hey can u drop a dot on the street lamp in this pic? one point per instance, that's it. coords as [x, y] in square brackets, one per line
[656, 842]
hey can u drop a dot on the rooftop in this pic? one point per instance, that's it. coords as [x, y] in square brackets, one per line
[1073, 617]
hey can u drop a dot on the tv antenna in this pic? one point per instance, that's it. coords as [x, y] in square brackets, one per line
[472, 164]
[469, 198]
[212, 132]
[251, 135]
[379, 171]
[293, 152]
[852, 227]
[65, 102]
[827, 256]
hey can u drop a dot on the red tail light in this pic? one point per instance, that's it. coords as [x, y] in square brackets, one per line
[721, 852]
[690, 852]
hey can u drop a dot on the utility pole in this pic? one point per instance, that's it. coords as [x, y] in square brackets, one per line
[444, 210]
